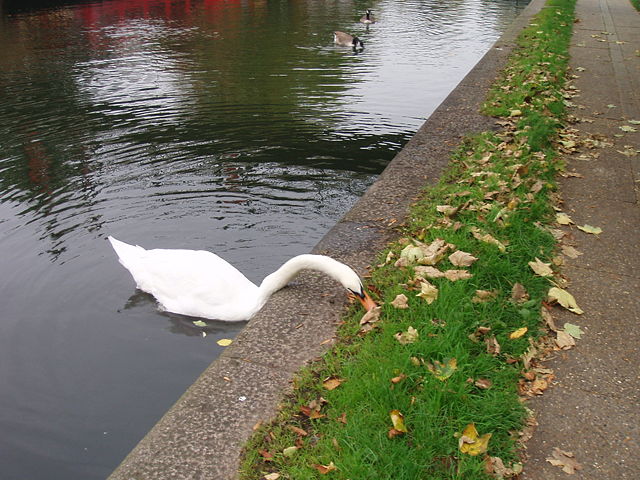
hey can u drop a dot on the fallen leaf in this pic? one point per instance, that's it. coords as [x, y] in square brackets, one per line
[331, 383]
[627, 128]
[454, 275]
[447, 210]
[515, 113]
[483, 296]
[573, 330]
[471, 443]
[199, 323]
[266, 455]
[519, 293]
[272, 476]
[564, 341]
[410, 336]
[462, 259]
[590, 229]
[398, 379]
[324, 469]
[493, 347]
[570, 252]
[565, 299]
[518, 333]
[409, 255]
[443, 370]
[495, 466]
[563, 219]
[397, 419]
[224, 342]
[548, 318]
[371, 316]
[565, 460]
[289, 451]
[483, 383]
[485, 237]
[428, 292]
[401, 301]
[298, 431]
[541, 268]
[428, 271]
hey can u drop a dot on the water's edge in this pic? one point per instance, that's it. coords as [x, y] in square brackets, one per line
[202, 435]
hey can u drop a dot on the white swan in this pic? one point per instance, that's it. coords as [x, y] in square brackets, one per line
[201, 284]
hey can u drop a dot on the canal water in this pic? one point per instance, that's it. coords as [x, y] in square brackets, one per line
[229, 125]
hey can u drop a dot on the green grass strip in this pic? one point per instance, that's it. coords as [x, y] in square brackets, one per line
[463, 367]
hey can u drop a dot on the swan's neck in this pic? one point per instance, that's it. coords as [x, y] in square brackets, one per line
[278, 279]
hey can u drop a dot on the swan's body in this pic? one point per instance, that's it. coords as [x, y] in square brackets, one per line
[201, 284]
[345, 40]
[367, 18]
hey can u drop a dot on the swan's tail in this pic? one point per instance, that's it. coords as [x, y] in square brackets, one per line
[127, 254]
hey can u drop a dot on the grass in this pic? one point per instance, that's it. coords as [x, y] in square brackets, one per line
[496, 199]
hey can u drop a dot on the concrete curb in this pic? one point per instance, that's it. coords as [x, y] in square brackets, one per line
[202, 435]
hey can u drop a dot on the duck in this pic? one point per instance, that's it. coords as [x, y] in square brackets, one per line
[199, 283]
[368, 18]
[345, 40]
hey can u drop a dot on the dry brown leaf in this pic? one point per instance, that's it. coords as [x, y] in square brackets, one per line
[372, 316]
[401, 301]
[272, 476]
[495, 466]
[541, 268]
[298, 431]
[447, 210]
[493, 347]
[483, 383]
[564, 341]
[519, 293]
[565, 460]
[398, 378]
[461, 259]
[428, 271]
[266, 455]
[487, 238]
[454, 275]
[324, 469]
[331, 383]
[570, 252]
[548, 318]
[483, 296]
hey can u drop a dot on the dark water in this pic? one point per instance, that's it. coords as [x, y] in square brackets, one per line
[233, 126]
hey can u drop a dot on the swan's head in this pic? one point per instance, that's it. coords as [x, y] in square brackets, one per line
[351, 281]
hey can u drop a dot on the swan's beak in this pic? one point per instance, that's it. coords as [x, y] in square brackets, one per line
[366, 301]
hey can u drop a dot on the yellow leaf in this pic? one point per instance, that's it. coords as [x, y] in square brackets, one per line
[442, 371]
[590, 229]
[563, 219]
[428, 292]
[397, 419]
[518, 333]
[565, 299]
[471, 443]
[224, 342]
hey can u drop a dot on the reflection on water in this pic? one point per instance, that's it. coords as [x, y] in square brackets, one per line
[234, 126]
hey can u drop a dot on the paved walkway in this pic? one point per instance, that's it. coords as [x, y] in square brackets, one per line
[594, 409]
